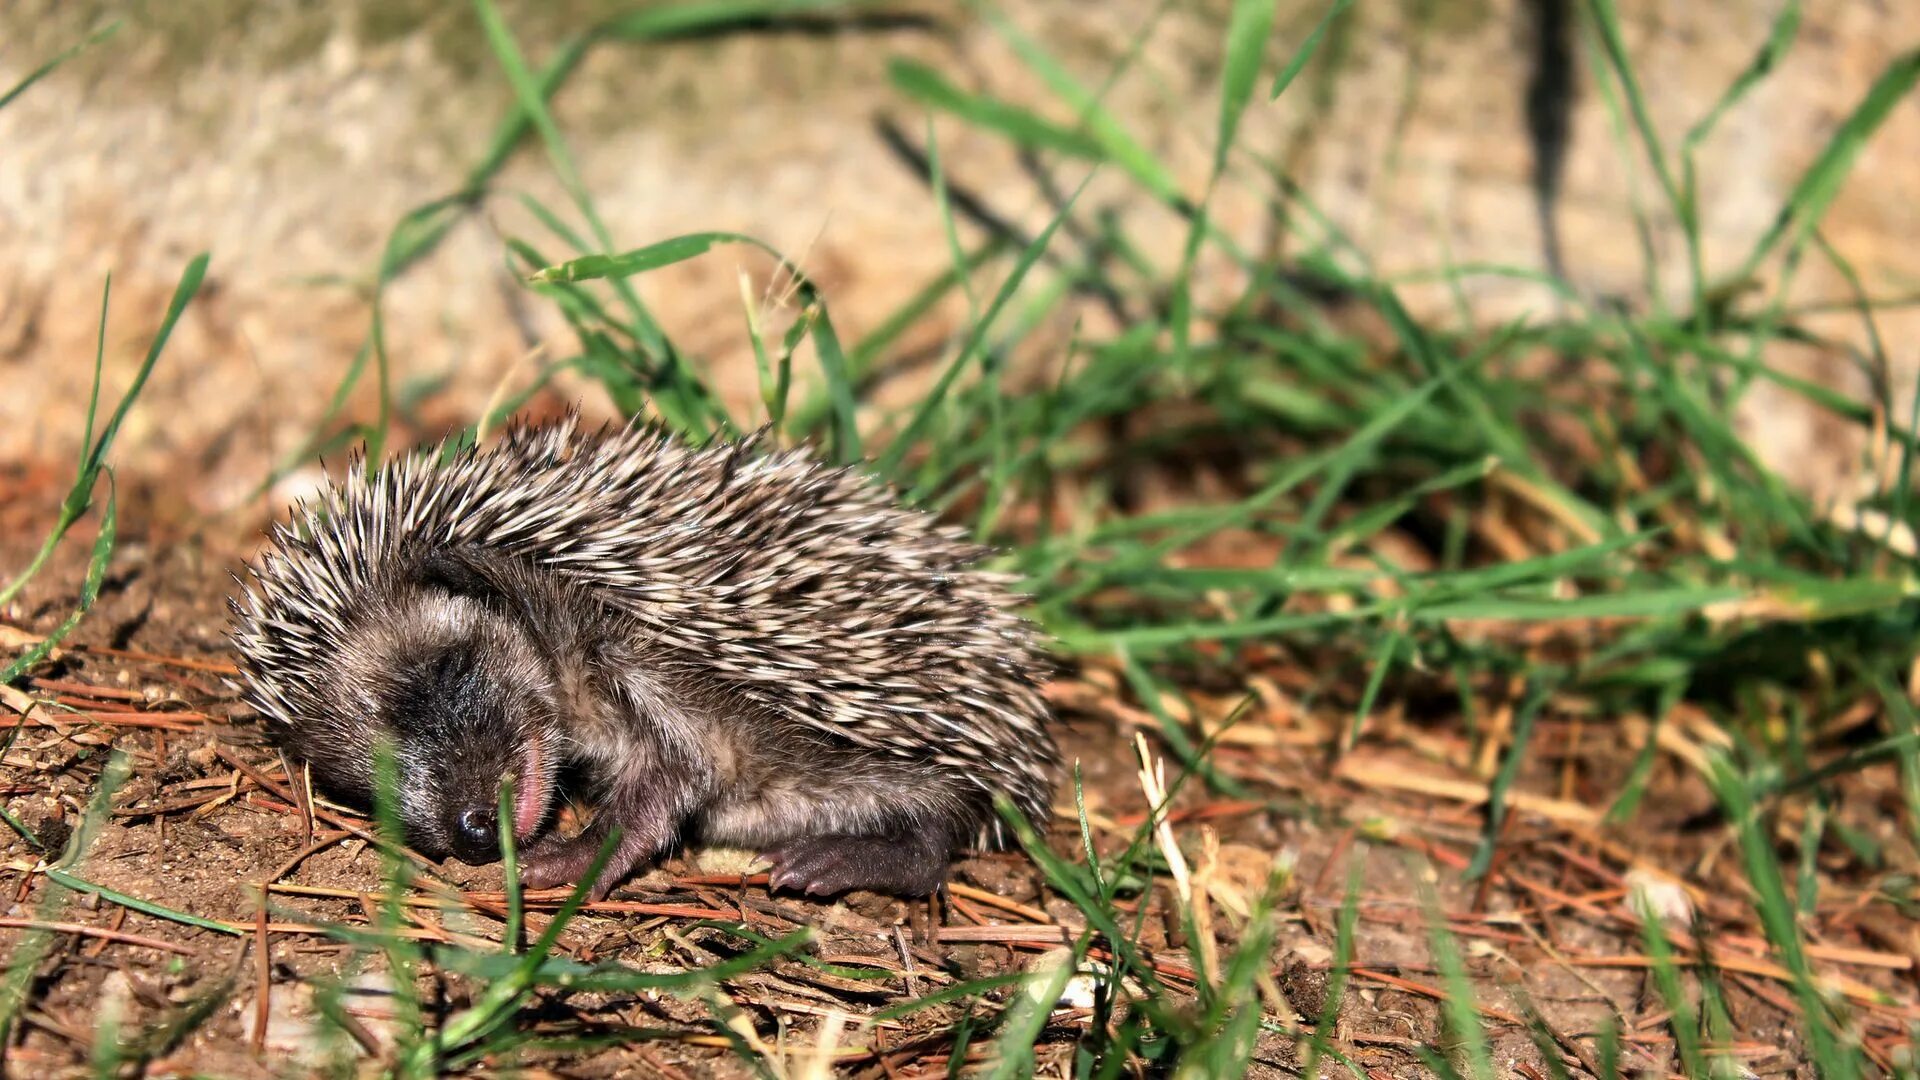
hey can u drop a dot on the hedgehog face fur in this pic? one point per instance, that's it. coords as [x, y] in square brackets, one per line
[466, 698]
[735, 646]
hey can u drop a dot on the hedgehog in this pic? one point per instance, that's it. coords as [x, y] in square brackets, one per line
[721, 644]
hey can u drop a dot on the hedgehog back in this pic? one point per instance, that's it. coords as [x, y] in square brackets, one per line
[807, 590]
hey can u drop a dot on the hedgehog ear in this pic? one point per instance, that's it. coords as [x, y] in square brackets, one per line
[462, 574]
[498, 581]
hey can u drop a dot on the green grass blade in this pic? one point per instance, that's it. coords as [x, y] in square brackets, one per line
[1685, 1019]
[62, 57]
[80, 496]
[99, 373]
[1779, 40]
[1192, 757]
[929, 87]
[1075, 884]
[1807, 203]
[107, 1056]
[1523, 718]
[1342, 971]
[1776, 909]
[528, 93]
[1459, 1014]
[839, 378]
[652, 257]
[693, 18]
[144, 906]
[16, 986]
[500, 997]
[956, 992]
[1027, 1015]
[89, 592]
[403, 957]
[897, 450]
[183, 294]
[1095, 120]
[1248, 28]
[1606, 19]
[815, 320]
[510, 866]
[1307, 48]
[1360, 443]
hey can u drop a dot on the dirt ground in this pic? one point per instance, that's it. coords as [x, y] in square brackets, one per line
[208, 817]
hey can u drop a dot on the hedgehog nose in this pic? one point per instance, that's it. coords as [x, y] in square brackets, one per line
[476, 837]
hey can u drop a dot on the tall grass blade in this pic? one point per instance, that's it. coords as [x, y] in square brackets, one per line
[1833, 1060]
[80, 495]
[936, 397]
[1460, 1016]
[1022, 125]
[1342, 970]
[1807, 203]
[1307, 48]
[59, 58]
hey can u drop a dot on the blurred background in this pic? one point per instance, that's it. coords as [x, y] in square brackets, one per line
[290, 139]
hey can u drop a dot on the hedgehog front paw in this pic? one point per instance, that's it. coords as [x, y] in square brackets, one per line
[556, 861]
[553, 861]
[827, 865]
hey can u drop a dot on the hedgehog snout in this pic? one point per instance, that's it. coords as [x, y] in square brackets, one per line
[450, 795]
[474, 834]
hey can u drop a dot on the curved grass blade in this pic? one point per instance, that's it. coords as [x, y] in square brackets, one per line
[1807, 203]
[1306, 50]
[80, 496]
[62, 57]
[889, 462]
[816, 321]
[929, 87]
[17, 984]
[89, 593]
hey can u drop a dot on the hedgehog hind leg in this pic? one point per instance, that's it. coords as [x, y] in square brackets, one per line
[911, 864]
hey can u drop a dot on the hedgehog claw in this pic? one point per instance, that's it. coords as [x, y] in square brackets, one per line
[829, 865]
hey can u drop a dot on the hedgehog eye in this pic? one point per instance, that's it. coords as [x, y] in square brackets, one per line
[438, 688]
[446, 674]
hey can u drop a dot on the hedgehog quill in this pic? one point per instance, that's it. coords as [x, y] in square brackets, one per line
[735, 645]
